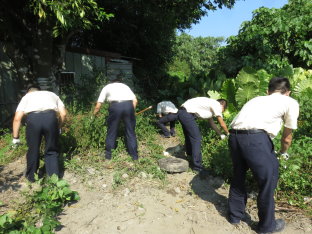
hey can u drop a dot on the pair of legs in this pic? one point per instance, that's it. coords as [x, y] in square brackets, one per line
[123, 111]
[192, 137]
[39, 125]
[254, 151]
[161, 123]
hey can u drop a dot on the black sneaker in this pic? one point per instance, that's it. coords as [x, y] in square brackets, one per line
[280, 225]
[164, 136]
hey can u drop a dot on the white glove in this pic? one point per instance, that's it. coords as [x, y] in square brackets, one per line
[285, 155]
[222, 136]
[16, 141]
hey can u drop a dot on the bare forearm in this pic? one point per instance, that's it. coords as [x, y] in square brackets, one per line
[286, 140]
[223, 125]
[17, 123]
[214, 126]
[97, 108]
[135, 103]
[16, 127]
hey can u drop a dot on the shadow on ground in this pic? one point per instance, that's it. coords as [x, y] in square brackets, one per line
[206, 190]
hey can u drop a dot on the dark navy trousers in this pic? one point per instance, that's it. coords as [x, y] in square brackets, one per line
[254, 151]
[38, 125]
[121, 111]
[171, 117]
[192, 137]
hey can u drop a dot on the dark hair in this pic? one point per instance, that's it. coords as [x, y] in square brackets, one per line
[280, 84]
[223, 102]
[33, 87]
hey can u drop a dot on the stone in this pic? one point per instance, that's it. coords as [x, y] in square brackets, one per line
[173, 165]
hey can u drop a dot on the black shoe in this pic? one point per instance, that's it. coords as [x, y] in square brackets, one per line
[173, 134]
[164, 136]
[280, 225]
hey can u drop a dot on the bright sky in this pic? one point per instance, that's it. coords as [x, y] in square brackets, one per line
[226, 22]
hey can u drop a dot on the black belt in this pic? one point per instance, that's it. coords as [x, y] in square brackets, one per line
[112, 102]
[39, 112]
[251, 131]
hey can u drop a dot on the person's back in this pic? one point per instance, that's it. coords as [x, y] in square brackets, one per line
[267, 113]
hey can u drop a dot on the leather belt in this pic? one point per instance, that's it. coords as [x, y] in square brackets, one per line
[112, 102]
[45, 111]
[251, 131]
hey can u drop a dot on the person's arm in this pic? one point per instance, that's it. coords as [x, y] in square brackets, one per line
[17, 123]
[135, 102]
[63, 113]
[214, 126]
[286, 140]
[223, 125]
[97, 108]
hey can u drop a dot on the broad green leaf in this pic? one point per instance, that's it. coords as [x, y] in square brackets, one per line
[244, 94]
[214, 94]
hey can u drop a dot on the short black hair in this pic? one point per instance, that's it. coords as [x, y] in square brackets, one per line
[280, 84]
[32, 86]
[223, 102]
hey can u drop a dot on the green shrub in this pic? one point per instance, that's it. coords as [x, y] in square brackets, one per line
[43, 202]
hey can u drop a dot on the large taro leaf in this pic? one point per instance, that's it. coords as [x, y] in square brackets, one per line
[245, 93]
[302, 85]
[228, 90]
[264, 79]
[214, 94]
[246, 76]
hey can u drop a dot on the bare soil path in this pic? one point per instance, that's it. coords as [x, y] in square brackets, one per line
[183, 205]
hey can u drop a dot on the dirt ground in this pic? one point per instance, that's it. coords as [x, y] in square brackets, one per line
[185, 204]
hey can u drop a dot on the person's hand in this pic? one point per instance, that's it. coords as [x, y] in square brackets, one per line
[60, 131]
[284, 155]
[16, 141]
[222, 136]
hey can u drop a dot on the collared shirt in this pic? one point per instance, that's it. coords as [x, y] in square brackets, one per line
[116, 92]
[203, 107]
[268, 113]
[40, 101]
[166, 107]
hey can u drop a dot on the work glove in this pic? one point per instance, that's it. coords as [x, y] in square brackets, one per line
[16, 141]
[284, 155]
[222, 136]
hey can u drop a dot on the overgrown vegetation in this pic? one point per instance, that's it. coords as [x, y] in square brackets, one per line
[42, 202]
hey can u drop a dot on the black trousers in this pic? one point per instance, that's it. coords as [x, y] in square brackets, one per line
[192, 137]
[254, 151]
[121, 111]
[171, 117]
[39, 125]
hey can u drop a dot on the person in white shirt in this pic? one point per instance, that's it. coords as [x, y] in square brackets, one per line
[205, 108]
[122, 105]
[251, 146]
[41, 109]
[167, 112]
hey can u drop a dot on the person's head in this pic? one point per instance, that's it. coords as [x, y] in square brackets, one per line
[117, 78]
[223, 103]
[279, 85]
[32, 88]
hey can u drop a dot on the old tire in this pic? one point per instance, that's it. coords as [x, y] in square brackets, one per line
[173, 165]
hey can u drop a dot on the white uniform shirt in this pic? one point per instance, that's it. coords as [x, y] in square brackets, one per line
[166, 107]
[203, 107]
[40, 101]
[116, 92]
[268, 113]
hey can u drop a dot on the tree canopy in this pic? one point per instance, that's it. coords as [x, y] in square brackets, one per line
[273, 39]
